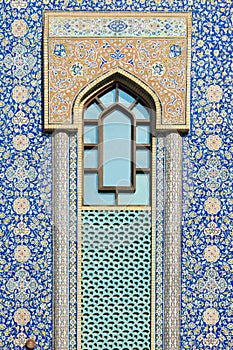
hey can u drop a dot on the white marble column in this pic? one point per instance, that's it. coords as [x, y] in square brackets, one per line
[172, 258]
[61, 240]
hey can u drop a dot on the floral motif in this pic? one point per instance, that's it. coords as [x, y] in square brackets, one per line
[117, 26]
[214, 93]
[20, 61]
[19, 4]
[144, 58]
[175, 51]
[22, 253]
[60, 50]
[214, 142]
[212, 205]
[21, 229]
[21, 174]
[213, 173]
[211, 316]
[117, 55]
[212, 229]
[22, 316]
[20, 93]
[214, 118]
[19, 27]
[77, 69]
[211, 285]
[21, 339]
[212, 253]
[21, 205]
[211, 340]
[22, 285]
[128, 27]
[158, 69]
[20, 118]
[20, 142]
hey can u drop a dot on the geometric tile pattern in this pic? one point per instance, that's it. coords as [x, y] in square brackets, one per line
[116, 279]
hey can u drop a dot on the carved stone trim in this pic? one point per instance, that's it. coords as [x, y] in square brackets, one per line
[172, 241]
[61, 240]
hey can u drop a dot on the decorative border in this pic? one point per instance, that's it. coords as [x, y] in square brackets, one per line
[61, 252]
[73, 243]
[108, 24]
[158, 245]
[172, 241]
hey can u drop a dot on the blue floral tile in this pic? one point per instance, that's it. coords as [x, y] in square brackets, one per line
[26, 182]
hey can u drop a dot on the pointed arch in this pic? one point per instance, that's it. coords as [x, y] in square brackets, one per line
[126, 78]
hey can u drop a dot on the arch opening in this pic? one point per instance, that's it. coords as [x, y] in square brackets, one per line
[129, 81]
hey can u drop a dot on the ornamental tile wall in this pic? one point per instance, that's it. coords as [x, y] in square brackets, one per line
[81, 48]
[26, 237]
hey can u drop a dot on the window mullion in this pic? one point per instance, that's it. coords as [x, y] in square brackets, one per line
[119, 128]
[100, 103]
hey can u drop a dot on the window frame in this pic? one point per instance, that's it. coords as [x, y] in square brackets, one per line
[105, 111]
[102, 116]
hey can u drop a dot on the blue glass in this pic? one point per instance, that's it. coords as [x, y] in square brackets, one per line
[109, 98]
[92, 112]
[140, 112]
[143, 134]
[124, 98]
[91, 194]
[143, 158]
[117, 149]
[90, 134]
[140, 196]
[91, 158]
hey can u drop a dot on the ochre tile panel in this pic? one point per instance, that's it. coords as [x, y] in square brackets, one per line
[160, 63]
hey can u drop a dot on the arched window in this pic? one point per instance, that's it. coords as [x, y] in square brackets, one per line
[117, 198]
[117, 148]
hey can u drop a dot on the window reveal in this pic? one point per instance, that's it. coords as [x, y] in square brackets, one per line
[117, 149]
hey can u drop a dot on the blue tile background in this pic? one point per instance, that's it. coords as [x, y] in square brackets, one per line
[26, 237]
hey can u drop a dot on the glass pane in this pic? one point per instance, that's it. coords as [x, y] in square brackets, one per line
[140, 112]
[117, 150]
[125, 99]
[143, 158]
[91, 158]
[92, 112]
[109, 98]
[91, 194]
[90, 134]
[141, 195]
[142, 134]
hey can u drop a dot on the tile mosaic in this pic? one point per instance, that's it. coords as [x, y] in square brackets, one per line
[26, 237]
